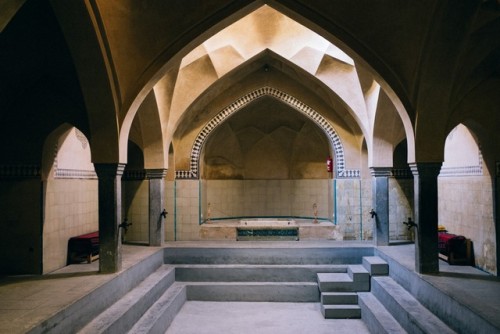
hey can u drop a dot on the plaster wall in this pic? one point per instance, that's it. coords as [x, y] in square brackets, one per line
[71, 209]
[466, 208]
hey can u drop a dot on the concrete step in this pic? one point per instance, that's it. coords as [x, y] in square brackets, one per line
[335, 298]
[339, 282]
[123, 314]
[358, 273]
[341, 311]
[408, 311]
[161, 314]
[291, 292]
[375, 265]
[376, 317]
[253, 273]
[271, 255]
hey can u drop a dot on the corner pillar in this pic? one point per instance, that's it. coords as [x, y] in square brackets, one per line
[109, 190]
[426, 216]
[156, 182]
[380, 204]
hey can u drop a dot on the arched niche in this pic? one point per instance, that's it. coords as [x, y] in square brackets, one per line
[465, 204]
[70, 192]
[266, 160]
[338, 153]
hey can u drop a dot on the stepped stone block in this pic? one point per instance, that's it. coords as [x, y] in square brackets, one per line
[341, 311]
[375, 265]
[329, 282]
[407, 310]
[376, 316]
[358, 273]
[332, 298]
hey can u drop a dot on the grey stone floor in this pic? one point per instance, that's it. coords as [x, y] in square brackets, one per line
[26, 301]
[197, 317]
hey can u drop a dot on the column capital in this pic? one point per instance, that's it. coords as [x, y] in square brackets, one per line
[155, 173]
[381, 171]
[109, 169]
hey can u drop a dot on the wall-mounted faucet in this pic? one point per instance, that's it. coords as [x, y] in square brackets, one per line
[125, 224]
[164, 213]
[373, 213]
[410, 223]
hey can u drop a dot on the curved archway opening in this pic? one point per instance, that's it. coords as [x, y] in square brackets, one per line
[70, 186]
[463, 182]
[267, 161]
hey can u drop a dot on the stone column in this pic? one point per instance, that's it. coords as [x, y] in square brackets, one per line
[110, 212]
[156, 205]
[426, 216]
[380, 204]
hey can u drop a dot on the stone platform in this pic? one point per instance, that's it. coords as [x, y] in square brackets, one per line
[307, 229]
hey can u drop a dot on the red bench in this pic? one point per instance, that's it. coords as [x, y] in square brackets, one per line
[456, 249]
[83, 248]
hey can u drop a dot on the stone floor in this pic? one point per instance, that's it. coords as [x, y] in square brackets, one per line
[264, 318]
[26, 301]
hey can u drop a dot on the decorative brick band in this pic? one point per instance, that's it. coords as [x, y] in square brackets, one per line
[461, 171]
[402, 173]
[74, 174]
[19, 171]
[139, 174]
[341, 171]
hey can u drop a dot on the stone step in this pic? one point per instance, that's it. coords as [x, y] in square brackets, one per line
[376, 317]
[253, 273]
[291, 292]
[407, 310]
[341, 311]
[333, 298]
[161, 314]
[358, 273]
[270, 255]
[339, 282]
[375, 265]
[123, 314]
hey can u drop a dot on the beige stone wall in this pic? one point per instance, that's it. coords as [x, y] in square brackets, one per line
[169, 206]
[187, 216]
[136, 210]
[71, 209]
[466, 208]
[400, 208]
[267, 198]
[352, 202]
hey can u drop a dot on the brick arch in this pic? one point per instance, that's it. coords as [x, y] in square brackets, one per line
[338, 149]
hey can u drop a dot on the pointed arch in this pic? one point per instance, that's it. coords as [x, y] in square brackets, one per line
[338, 150]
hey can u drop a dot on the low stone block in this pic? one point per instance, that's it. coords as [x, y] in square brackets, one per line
[375, 265]
[358, 273]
